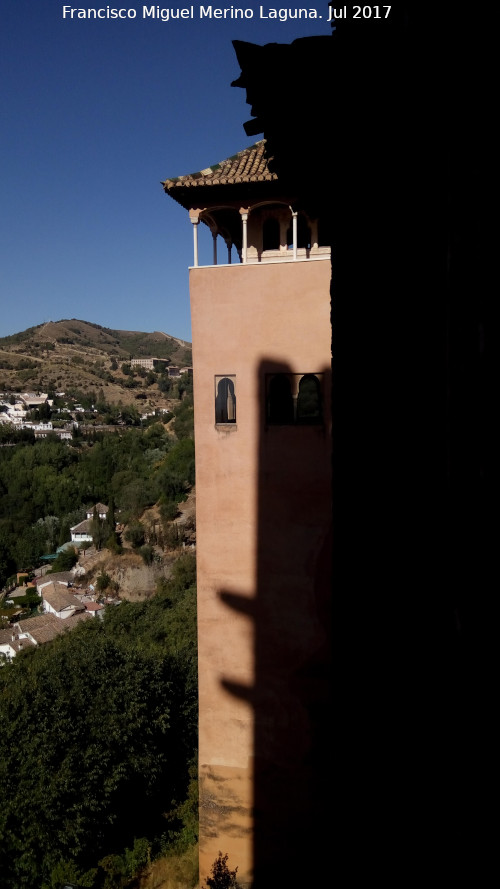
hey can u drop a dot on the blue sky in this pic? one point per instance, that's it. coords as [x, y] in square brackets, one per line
[94, 115]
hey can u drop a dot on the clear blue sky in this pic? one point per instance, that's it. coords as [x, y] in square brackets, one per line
[94, 115]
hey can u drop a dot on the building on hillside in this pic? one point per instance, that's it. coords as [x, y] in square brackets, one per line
[32, 400]
[150, 363]
[57, 600]
[100, 510]
[262, 382]
[34, 631]
[11, 643]
[82, 532]
[60, 577]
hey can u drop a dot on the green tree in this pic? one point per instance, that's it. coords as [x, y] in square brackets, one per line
[135, 534]
[64, 532]
[103, 581]
[117, 714]
[98, 530]
[64, 561]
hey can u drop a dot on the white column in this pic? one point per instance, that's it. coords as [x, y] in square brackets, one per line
[294, 233]
[244, 219]
[195, 220]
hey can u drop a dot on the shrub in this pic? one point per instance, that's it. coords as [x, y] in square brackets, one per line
[135, 534]
[222, 877]
[169, 510]
[147, 553]
[103, 581]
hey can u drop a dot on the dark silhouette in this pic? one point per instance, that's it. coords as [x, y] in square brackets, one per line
[387, 132]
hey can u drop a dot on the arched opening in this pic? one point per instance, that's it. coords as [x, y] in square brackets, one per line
[280, 400]
[225, 400]
[309, 400]
[271, 234]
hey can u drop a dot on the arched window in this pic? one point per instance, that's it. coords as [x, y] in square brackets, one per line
[279, 400]
[271, 234]
[309, 400]
[225, 400]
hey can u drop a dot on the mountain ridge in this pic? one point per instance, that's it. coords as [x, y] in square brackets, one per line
[81, 356]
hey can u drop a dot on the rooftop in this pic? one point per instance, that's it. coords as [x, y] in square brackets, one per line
[249, 165]
[59, 599]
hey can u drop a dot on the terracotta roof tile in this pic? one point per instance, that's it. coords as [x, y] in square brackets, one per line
[59, 599]
[82, 527]
[45, 627]
[249, 165]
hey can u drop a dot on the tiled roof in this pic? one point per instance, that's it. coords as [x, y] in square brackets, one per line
[58, 577]
[42, 628]
[249, 165]
[59, 599]
[81, 528]
[45, 627]
[10, 638]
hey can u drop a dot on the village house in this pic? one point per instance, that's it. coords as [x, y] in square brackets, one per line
[34, 631]
[11, 644]
[57, 600]
[150, 363]
[82, 532]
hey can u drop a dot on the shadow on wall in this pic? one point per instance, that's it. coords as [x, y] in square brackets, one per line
[291, 613]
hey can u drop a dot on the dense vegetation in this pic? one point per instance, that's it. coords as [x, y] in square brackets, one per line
[98, 745]
[46, 485]
[99, 727]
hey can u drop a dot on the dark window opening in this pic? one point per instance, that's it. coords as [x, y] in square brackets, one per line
[280, 400]
[309, 400]
[225, 400]
[293, 399]
[271, 234]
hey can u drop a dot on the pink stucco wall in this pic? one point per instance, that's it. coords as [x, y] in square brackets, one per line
[263, 516]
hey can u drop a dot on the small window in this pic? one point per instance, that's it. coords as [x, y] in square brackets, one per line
[293, 399]
[225, 399]
[309, 400]
[280, 400]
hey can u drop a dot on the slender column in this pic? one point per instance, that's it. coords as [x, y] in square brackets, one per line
[214, 237]
[195, 219]
[229, 258]
[244, 220]
[294, 233]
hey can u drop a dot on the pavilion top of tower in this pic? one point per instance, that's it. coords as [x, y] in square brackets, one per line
[249, 165]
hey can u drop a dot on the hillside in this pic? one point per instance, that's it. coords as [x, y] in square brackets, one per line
[81, 358]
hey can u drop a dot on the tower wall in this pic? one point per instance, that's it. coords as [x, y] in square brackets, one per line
[263, 520]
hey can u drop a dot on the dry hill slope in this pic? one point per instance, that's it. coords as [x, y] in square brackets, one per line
[82, 357]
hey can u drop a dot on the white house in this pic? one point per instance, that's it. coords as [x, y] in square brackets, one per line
[35, 631]
[58, 601]
[82, 531]
[11, 642]
[100, 509]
